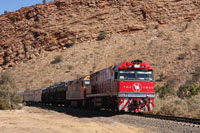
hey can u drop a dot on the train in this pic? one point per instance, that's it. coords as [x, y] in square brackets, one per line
[128, 86]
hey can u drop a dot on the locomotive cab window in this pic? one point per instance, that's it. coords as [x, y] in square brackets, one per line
[86, 83]
[141, 75]
[135, 75]
[126, 75]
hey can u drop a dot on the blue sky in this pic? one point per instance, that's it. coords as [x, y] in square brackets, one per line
[13, 5]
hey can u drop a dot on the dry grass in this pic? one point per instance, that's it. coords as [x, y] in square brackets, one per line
[178, 107]
[34, 120]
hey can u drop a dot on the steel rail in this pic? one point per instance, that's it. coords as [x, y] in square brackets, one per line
[172, 118]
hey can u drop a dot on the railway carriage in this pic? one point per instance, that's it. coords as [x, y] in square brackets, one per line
[59, 93]
[70, 93]
[46, 97]
[28, 96]
[33, 96]
[38, 95]
[77, 90]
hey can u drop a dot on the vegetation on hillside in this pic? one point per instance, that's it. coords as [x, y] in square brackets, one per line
[101, 36]
[183, 103]
[9, 97]
[57, 59]
[175, 106]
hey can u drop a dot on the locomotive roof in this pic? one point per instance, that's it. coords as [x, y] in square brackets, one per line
[129, 65]
[80, 79]
[135, 65]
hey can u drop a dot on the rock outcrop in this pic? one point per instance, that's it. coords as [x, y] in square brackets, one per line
[28, 32]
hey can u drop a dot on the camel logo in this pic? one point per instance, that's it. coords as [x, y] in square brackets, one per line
[137, 87]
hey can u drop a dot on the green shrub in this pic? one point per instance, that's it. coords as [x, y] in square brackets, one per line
[166, 90]
[183, 91]
[69, 67]
[157, 88]
[187, 91]
[57, 59]
[161, 77]
[102, 35]
[74, 40]
[181, 56]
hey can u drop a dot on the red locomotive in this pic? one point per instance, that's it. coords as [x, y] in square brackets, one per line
[128, 86]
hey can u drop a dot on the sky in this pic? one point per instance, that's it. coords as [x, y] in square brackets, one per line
[13, 5]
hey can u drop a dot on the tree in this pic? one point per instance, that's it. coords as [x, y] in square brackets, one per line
[44, 1]
[5, 12]
[9, 96]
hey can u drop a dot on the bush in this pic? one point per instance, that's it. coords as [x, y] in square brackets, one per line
[102, 35]
[187, 91]
[9, 98]
[44, 1]
[57, 59]
[7, 78]
[157, 88]
[16, 98]
[166, 90]
[5, 12]
[74, 39]
[69, 67]
[181, 56]
[4, 104]
[4, 92]
[161, 77]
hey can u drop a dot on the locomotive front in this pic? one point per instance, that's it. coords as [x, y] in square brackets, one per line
[135, 86]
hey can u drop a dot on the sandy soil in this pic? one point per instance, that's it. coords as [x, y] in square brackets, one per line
[36, 120]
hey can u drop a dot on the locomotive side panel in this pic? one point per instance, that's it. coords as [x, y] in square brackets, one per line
[103, 83]
[75, 91]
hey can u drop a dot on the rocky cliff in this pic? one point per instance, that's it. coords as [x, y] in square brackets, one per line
[30, 31]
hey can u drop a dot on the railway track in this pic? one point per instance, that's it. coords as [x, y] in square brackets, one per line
[172, 118]
[93, 113]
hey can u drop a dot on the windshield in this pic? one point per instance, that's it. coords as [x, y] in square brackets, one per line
[127, 75]
[135, 75]
[86, 83]
[144, 75]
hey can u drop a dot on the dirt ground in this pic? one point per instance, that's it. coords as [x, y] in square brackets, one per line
[37, 120]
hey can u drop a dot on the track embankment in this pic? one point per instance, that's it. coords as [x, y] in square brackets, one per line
[50, 119]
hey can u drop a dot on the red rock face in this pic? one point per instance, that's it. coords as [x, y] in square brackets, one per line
[28, 31]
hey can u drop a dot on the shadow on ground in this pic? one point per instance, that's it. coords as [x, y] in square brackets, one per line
[80, 112]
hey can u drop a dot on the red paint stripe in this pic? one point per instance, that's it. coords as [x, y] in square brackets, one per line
[125, 104]
[121, 101]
